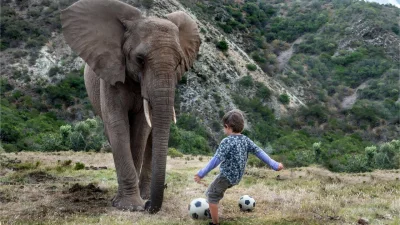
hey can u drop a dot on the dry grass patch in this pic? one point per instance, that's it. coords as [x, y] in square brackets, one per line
[52, 192]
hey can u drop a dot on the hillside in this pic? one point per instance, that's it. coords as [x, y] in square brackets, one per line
[317, 79]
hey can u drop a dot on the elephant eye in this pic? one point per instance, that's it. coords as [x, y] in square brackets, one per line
[140, 60]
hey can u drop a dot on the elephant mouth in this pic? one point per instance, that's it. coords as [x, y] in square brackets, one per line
[148, 115]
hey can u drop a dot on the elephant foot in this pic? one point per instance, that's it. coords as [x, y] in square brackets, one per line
[116, 198]
[128, 203]
[147, 205]
[145, 193]
[145, 190]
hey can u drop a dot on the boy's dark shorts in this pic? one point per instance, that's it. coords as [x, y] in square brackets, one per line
[217, 188]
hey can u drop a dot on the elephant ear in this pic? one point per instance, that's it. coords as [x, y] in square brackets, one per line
[189, 38]
[94, 29]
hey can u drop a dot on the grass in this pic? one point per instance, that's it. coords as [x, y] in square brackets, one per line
[40, 193]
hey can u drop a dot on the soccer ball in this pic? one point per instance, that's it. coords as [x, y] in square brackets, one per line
[199, 209]
[247, 203]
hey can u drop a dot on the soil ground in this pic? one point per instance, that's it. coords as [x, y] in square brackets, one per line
[46, 188]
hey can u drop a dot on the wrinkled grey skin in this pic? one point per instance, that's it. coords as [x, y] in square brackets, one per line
[129, 58]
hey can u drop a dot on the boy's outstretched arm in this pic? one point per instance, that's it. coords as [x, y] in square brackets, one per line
[266, 159]
[214, 162]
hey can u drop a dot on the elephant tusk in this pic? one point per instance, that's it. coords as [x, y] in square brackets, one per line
[146, 111]
[173, 109]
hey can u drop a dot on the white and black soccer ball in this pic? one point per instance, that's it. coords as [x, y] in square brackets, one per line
[247, 203]
[199, 209]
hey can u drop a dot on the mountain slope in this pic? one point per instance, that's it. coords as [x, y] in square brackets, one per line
[304, 72]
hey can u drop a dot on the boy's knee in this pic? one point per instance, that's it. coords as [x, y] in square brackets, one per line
[214, 198]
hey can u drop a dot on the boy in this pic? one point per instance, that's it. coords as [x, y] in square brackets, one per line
[232, 154]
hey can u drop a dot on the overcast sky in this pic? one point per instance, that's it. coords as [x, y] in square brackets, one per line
[393, 2]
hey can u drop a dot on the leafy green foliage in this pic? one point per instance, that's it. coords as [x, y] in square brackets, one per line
[284, 99]
[189, 136]
[83, 136]
[34, 29]
[251, 67]
[174, 153]
[246, 81]
[79, 166]
[262, 92]
[222, 45]
[66, 91]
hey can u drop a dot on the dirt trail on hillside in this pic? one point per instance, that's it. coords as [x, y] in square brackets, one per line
[285, 56]
[349, 101]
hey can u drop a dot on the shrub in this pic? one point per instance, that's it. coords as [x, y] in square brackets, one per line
[246, 81]
[54, 71]
[66, 162]
[284, 99]
[388, 156]
[84, 135]
[5, 86]
[357, 163]
[370, 153]
[263, 91]
[317, 150]
[254, 161]
[251, 67]
[189, 122]
[222, 45]
[50, 142]
[10, 147]
[194, 144]
[147, 3]
[174, 153]
[79, 166]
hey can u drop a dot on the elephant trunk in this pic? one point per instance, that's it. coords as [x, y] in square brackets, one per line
[162, 115]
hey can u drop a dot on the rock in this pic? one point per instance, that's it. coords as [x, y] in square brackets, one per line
[363, 221]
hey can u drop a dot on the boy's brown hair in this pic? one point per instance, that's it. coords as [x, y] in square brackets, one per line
[235, 120]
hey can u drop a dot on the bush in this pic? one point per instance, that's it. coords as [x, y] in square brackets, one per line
[5, 86]
[190, 137]
[263, 91]
[251, 67]
[10, 147]
[284, 99]
[254, 161]
[246, 81]
[388, 156]
[174, 153]
[194, 144]
[222, 45]
[54, 71]
[79, 166]
[50, 142]
[84, 135]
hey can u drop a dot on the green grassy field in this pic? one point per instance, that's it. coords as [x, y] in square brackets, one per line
[45, 188]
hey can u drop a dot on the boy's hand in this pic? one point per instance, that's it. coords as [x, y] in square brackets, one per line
[197, 179]
[280, 167]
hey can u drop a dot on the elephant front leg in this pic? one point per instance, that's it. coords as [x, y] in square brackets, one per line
[145, 175]
[141, 148]
[128, 196]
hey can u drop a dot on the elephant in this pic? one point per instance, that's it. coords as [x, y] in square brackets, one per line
[132, 66]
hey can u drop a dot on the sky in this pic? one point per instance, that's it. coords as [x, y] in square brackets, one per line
[393, 2]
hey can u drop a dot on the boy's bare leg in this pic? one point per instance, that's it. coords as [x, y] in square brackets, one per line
[214, 213]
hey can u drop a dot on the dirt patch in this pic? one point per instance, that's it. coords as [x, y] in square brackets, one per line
[84, 199]
[88, 189]
[5, 198]
[89, 200]
[39, 177]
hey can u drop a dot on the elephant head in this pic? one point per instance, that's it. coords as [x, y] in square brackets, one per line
[118, 43]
